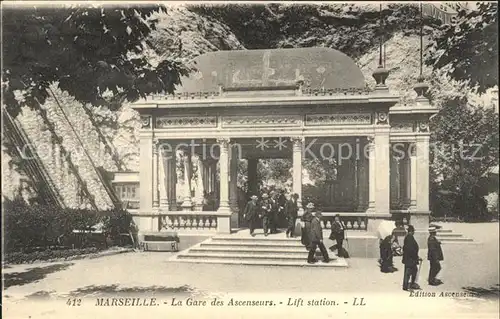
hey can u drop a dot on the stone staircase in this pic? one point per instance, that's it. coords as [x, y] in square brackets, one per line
[240, 248]
[447, 236]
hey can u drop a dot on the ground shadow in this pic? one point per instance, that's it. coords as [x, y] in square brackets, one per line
[113, 290]
[480, 292]
[32, 275]
[40, 295]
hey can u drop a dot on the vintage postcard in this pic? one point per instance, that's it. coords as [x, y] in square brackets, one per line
[250, 159]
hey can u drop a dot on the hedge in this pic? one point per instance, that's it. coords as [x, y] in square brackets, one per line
[39, 227]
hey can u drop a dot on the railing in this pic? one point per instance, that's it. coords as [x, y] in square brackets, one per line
[100, 174]
[351, 221]
[34, 167]
[191, 220]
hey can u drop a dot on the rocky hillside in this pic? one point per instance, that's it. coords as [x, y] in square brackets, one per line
[186, 32]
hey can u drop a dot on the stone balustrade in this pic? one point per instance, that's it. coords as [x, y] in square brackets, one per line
[352, 221]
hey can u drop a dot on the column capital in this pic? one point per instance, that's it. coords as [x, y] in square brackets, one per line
[297, 140]
[223, 141]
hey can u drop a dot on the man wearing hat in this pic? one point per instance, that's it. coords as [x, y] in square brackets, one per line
[266, 209]
[434, 255]
[291, 211]
[251, 213]
[410, 260]
[316, 237]
[306, 230]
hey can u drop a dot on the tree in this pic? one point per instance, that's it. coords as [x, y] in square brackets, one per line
[464, 150]
[88, 51]
[468, 48]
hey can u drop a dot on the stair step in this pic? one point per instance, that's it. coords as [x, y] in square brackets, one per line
[257, 239]
[339, 263]
[256, 251]
[251, 245]
[444, 230]
[455, 239]
[443, 235]
[242, 256]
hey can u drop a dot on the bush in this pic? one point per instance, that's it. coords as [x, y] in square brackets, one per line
[37, 227]
[21, 257]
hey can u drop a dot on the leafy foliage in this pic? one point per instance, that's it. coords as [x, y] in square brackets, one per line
[87, 50]
[349, 28]
[468, 47]
[464, 150]
[28, 227]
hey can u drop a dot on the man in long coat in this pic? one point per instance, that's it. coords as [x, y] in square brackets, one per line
[316, 237]
[434, 255]
[273, 216]
[410, 260]
[291, 211]
[266, 207]
[306, 230]
[338, 234]
[251, 214]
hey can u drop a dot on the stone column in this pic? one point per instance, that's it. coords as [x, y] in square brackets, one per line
[233, 187]
[363, 180]
[224, 212]
[200, 198]
[187, 204]
[156, 201]
[404, 178]
[382, 171]
[371, 174]
[413, 177]
[170, 182]
[163, 173]
[144, 219]
[252, 175]
[297, 177]
[394, 180]
[423, 173]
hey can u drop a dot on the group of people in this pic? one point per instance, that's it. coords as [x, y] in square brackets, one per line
[269, 209]
[312, 234]
[411, 260]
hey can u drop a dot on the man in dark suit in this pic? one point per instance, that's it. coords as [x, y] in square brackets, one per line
[291, 211]
[273, 216]
[266, 207]
[434, 255]
[316, 237]
[410, 260]
[338, 233]
[252, 214]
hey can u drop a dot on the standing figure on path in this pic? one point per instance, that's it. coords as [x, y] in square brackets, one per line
[266, 209]
[291, 211]
[306, 230]
[434, 255]
[316, 237]
[251, 213]
[338, 233]
[410, 260]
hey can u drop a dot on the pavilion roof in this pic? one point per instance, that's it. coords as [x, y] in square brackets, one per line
[317, 69]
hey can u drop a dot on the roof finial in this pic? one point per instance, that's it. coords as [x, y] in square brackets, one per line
[421, 87]
[381, 37]
[381, 74]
